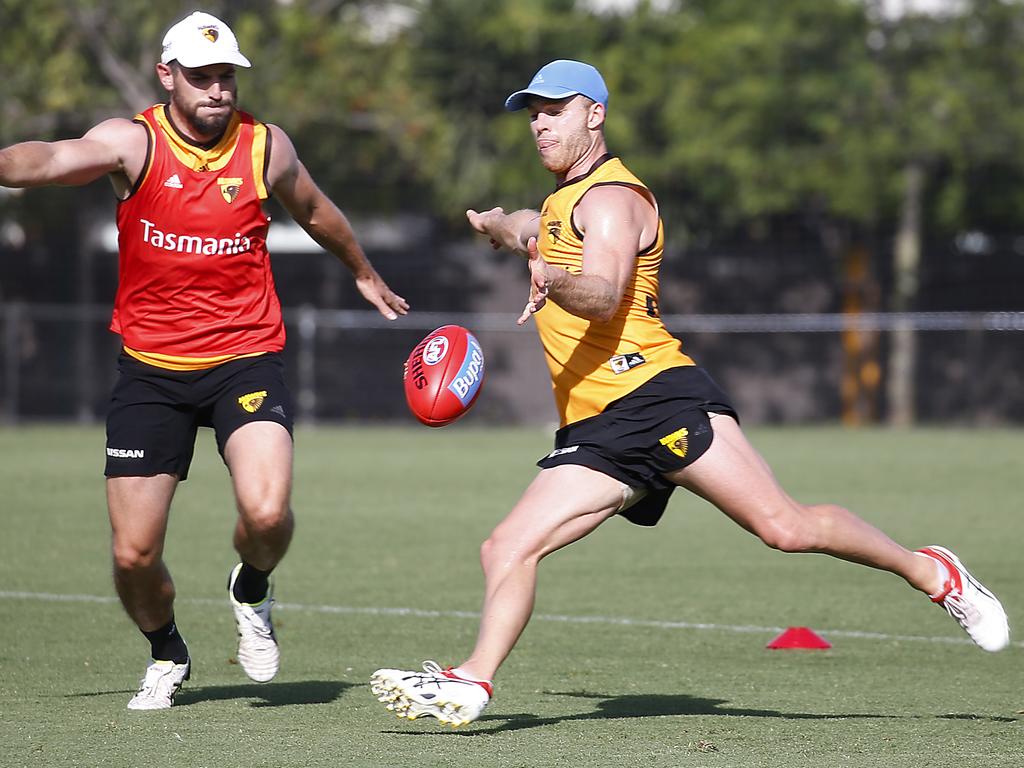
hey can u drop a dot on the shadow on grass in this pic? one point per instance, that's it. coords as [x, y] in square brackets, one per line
[634, 706]
[266, 694]
[656, 705]
[986, 718]
[269, 694]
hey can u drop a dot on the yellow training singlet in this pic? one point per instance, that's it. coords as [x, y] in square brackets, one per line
[594, 363]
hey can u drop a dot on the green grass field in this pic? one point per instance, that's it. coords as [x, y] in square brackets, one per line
[648, 648]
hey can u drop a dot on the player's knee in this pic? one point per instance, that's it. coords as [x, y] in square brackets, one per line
[501, 550]
[492, 552]
[790, 532]
[486, 553]
[265, 518]
[130, 558]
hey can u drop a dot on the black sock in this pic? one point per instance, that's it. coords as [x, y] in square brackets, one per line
[251, 585]
[166, 644]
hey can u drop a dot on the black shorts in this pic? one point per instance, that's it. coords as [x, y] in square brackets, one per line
[659, 427]
[155, 413]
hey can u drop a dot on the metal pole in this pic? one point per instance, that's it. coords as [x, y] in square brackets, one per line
[12, 360]
[307, 364]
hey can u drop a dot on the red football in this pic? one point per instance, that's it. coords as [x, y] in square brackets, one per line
[443, 375]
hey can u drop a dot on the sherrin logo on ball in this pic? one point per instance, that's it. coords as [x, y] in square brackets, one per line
[443, 375]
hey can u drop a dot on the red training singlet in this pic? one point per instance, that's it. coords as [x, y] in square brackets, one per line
[195, 287]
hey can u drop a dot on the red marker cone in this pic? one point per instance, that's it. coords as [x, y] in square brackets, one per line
[799, 637]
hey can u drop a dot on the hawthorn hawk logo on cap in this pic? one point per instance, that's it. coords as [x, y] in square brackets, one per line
[201, 39]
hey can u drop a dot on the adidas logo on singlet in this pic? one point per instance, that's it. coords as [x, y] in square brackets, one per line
[174, 182]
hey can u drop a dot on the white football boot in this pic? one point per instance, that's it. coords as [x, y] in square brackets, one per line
[257, 645]
[965, 599]
[434, 692]
[161, 681]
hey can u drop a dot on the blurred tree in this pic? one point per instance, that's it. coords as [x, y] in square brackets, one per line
[340, 78]
[470, 54]
[733, 110]
[952, 133]
[737, 112]
[67, 67]
[861, 123]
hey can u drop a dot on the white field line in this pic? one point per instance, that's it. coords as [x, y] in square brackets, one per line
[473, 615]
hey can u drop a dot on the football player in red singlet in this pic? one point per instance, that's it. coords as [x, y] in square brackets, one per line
[201, 328]
[638, 416]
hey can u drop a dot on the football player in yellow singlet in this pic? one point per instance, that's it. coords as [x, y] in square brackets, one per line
[639, 418]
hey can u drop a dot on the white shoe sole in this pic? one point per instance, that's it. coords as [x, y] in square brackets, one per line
[386, 686]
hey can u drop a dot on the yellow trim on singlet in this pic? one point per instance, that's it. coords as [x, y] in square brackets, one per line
[176, 363]
[150, 152]
[197, 158]
[259, 158]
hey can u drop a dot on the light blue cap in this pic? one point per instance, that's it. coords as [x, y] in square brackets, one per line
[561, 79]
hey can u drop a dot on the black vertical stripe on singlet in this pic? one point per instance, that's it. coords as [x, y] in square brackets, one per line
[266, 163]
[149, 157]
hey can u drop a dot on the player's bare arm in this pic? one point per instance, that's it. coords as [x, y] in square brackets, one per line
[506, 230]
[616, 222]
[116, 147]
[325, 223]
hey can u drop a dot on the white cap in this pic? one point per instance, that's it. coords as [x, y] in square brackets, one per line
[201, 39]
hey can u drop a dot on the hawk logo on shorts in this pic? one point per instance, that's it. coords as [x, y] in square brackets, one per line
[229, 189]
[554, 230]
[678, 442]
[252, 401]
[210, 33]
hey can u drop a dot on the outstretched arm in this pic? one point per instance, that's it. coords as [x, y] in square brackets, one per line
[326, 224]
[114, 146]
[506, 230]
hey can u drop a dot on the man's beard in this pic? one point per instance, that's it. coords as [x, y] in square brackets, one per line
[211, 125]
[570, 149]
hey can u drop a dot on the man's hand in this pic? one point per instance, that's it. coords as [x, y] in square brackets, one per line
[506, 230]
[376, 291]
[539, 281]
[487, 223]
